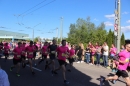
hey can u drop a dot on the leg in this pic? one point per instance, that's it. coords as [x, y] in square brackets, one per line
[106, 60]
[112, 78]
[127, 80]
[18, 68]
[92, 59]
[30, 62]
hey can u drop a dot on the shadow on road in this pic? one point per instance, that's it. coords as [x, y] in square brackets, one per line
[44, 77]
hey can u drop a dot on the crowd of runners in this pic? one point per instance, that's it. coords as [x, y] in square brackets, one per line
[94, 54]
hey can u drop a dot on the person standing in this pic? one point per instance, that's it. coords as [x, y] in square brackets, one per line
[98, 55]
[4, 81]
[105, 54]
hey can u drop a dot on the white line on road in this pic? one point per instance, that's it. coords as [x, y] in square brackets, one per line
[34, 68]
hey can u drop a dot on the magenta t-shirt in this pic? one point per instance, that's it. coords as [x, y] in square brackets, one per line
[30, 50]
[61, 52]
[124, 56]
[23, 50]
[44, 50]
[113, 51]
[6, 49]
[72, 52]
[18, 51]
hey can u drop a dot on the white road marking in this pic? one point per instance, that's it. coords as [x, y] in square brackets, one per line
[34, 68]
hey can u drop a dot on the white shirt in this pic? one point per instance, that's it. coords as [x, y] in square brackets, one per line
[105, 52]
[4, 78]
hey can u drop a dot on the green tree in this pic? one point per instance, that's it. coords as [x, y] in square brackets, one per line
[85, 31]
[109, 38]
[122, 39]
[36, 39]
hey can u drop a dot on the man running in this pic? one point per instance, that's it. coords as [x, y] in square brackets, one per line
[30, 50]
[23, 56]
[63, 53]
[6, 51]
[17, 58]
[35, 52]
[71, 56]
[44, 51]
[52, 53]
[124, 57]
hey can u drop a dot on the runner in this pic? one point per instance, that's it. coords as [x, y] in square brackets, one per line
[124, 62]
[71, 56]
[6, 51]
[23, 56]
[63, 53]
[1, 49]
[52, 53]
[35, 53]
[44, 51]
[17, 58]
[30, 50]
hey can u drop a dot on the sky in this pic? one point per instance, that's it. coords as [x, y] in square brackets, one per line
[44, 16]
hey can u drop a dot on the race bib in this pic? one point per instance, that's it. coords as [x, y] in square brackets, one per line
[127, 60]
[53, 52]
[18, 56]
[63, 54]
[30, 53]
[46, 52]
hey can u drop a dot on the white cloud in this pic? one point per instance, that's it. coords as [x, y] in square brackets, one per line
[108, 23]
[128, 21]
[110, 16]
[95, 19]
[125, 12]
[125, 28]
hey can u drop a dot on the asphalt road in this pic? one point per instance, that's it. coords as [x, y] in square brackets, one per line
[81, 75]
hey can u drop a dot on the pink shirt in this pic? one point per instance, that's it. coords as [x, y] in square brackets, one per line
[124, 56]
[44, 50]
[72, 52]
[30, 50]
[61, 52]
[23, 50]
[113, 51]
[18, 51]
[6, 49]
[26, 45]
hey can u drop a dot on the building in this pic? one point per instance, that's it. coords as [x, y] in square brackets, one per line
[13, 35]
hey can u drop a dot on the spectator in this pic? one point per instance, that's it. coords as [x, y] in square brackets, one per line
[3, 78]
[105, 55]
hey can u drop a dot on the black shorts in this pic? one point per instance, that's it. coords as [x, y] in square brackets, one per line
[61, 62]
[45, 56]
[34, 54]
[122, 73]
[71, 60]
[6, 54]
[23, 57]
[52, 57]
[16, 61]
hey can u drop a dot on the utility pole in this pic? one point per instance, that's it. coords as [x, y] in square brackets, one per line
[61, 34]
[117, 24]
